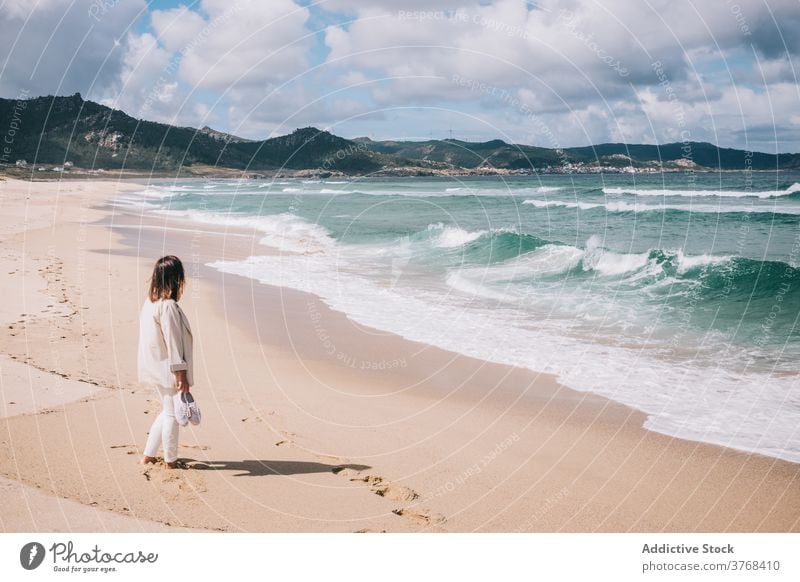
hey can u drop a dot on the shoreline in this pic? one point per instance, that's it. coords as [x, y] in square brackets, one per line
[443, 442]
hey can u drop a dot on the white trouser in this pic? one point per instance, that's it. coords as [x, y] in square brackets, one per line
[164, 431]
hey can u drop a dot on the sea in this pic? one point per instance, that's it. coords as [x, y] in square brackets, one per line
[677, 294]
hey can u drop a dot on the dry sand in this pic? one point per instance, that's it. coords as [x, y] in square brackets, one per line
[311, 422]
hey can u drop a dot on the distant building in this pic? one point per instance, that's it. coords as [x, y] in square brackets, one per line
[22, 164]
[58, 169]
[68, 164]
[41, 168]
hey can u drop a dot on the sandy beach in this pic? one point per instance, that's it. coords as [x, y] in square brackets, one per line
[311, 421]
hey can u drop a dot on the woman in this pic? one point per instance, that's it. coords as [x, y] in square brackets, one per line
[165, 354]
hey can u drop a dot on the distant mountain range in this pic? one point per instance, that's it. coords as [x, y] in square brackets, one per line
[55, 130]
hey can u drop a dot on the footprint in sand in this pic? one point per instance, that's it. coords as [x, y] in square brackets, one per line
[349, 469]
[371, 480]
[286, 441]
[388, 490]
[176, 483]
[397, 493]
[421, 517]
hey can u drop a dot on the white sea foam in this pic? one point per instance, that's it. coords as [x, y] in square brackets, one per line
[461, 282]
[159, 193]
[627, 207]
[177, 188]
[639, 207]
[478, 191]
[452, 236]
[288, 232]
[688, 262]
[552, 259]
[700, 193]
[285, 232]
[132, 202]
[500, 281]
[547, 260]
[609, 263]
[560, 204]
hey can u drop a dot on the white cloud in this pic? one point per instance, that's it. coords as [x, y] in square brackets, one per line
[430, 7]
[238, 50]
[256, 114]
[146, 88]
[62, 46]
[244, 42]
[176, 29]
[352, 78]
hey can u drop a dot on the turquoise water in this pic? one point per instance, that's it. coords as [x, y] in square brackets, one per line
[678, 294]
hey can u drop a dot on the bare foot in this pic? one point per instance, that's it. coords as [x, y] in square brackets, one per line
[145, 460]
[171, 465]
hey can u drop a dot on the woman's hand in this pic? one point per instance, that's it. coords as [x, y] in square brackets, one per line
[183, 383]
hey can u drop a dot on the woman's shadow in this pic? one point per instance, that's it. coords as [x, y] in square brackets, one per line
[261, 468]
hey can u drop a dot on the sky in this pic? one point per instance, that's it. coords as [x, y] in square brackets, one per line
[551, 73]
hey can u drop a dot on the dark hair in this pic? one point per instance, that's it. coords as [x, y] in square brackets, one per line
[168, 279]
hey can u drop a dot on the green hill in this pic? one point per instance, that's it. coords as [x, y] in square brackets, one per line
[702, 153]
[495, 153]
[54, 130]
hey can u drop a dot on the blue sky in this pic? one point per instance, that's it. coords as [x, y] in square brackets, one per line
[554, 74]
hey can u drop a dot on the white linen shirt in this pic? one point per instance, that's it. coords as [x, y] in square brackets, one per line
[165, 343]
